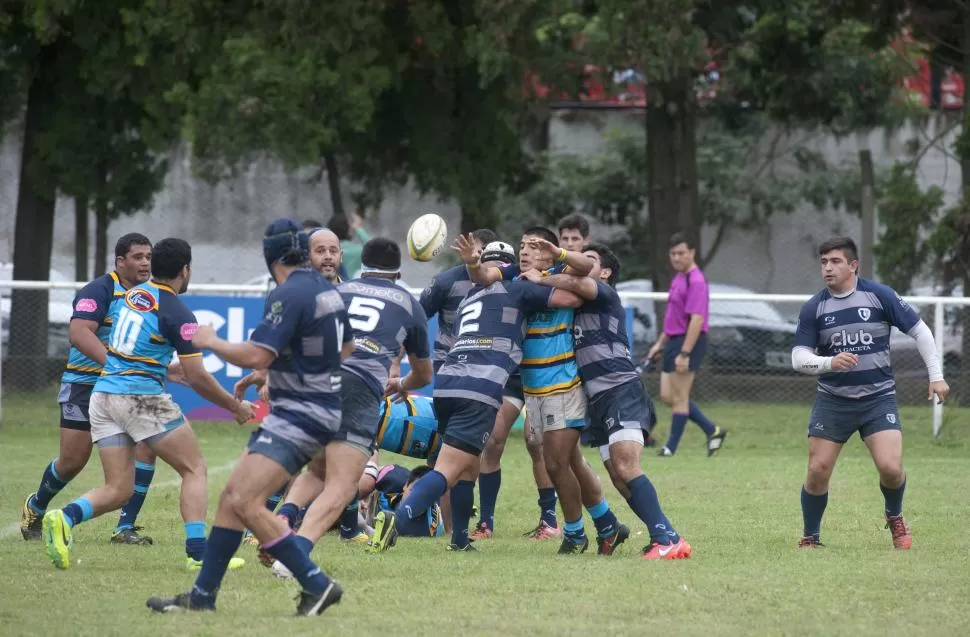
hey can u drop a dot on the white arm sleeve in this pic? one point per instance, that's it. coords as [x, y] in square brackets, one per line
[927, 350]
[806, 361]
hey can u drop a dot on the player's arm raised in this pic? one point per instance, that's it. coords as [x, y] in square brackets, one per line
[465, 246]
[575, 263]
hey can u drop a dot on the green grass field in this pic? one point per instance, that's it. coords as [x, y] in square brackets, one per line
[740, 511]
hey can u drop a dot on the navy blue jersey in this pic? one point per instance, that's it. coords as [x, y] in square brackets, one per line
[148, 326]
[383, 318]
[442, 297]
[92, 303]
[491, 326]
[305, 325]
[859, 323]
[601, 344]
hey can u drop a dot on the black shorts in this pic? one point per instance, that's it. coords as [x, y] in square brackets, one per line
[836, 419]
[623, 408]
[465, 424]
[360, 413]
[75, 399]
[672, 349]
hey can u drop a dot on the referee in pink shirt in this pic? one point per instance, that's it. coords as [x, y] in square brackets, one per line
[683, 343]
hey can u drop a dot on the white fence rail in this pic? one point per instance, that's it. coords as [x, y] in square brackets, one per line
[944, 323]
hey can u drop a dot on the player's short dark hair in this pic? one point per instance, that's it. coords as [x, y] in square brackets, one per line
[381, 254]
[340, 226]
[608, 259]
[575, 222]
[845, 244]
[542, 233]
[681, 237]
[310, 224]
[417, 473]
[169, 256]
[485, 236]
[126, 242]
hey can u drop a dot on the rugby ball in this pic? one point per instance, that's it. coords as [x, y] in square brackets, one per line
[426, 237]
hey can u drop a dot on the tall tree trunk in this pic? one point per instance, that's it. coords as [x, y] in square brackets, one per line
[33, 241]
[867, 257]
[962, 384]
[333, 182]
[671, 123]
[81, 238]
[102, 221]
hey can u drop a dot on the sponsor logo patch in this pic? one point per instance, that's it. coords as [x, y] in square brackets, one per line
[86, 305]
[140, 300]
[188, 330]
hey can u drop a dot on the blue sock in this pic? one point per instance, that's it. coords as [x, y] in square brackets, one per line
[678, 422]
[813, 506]
[426, 491]
[349, 528]
[894, 498]
[50, 485]
[220, 548]
[547, 507]
[703, 421]
[289, 551]
[144, 473]
[291, 512]
[488, 488]
[646, 504]
[273, 501]
[78, 511]
[304, 543]
[574, 531]
[604, 519]
[462, 501]
[195, 539]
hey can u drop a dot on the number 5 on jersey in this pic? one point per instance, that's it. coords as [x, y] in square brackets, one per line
[365, 313]
[469, 314]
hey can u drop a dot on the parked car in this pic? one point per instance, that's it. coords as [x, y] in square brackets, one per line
[744, 337]
[59, 310]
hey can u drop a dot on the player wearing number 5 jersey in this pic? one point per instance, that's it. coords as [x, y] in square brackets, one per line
[129, 405]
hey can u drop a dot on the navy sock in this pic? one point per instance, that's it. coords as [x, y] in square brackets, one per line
[78, 511]
[894, 498]
[304, 543]
[488, 488]
[274, 500]
[290, 511]
[220, 548]
[646, 504]
[574, 531]
[195, 539]
[678, 422]
[703, 421]
[290, 553]
[547, 506]
[462, 501]
[813, 506]
[349, 528]
[604, 519]
[144, 473]
[50, 485]
[426, 491]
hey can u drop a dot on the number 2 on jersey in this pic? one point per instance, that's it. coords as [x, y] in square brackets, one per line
[470, 313]
[124, 336]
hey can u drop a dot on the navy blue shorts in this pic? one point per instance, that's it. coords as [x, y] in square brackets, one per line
[673, 347]
[465, 424]
[836, 419]
[623, 408]
[360, 411]
[287, 454]
[75, 402]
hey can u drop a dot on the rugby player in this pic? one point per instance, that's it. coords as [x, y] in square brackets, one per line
[843, 338]
[128, 404]
[620, 412]
[89, 328]
[302, 339]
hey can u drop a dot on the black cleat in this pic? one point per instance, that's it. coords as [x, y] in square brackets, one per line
[810, 542]
[177, 604]
[607, 545]
[716, 441]
[568, 547]
[311, 604]
[131, 536]
[468, 548]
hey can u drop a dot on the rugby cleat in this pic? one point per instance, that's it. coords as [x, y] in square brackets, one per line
[385, 532]
[608, 545]
[664, 452]
[544, 532]
[716, 441]
[468, 548]
[179, 603]
[311, 604]
[195, 565]
[360, 538]
[57, 538]
[675, 551]
[810, 542]
[250, 540]
[280, 571]
[130, 536]
[900, 531]
[481, 532]
[569, 547]
[31, 522]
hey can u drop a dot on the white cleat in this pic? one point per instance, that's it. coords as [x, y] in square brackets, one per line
[281, 571]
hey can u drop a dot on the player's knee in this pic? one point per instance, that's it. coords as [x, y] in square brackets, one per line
[820, 468]
[667, 396]
[890, 471]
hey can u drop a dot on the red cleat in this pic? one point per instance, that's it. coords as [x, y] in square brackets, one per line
[679, 550]
[810, 542]
[900, 530]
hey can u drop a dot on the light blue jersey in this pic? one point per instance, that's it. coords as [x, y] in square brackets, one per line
[93, 302]
[409, 428]
[548, 362]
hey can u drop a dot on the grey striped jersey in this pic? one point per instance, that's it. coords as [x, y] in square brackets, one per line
[442, 297]
[383, 317]
[488, 347]
[600, 343]
[305, 325]
[858, 323]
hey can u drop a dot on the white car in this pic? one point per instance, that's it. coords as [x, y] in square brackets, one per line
[59, 311]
